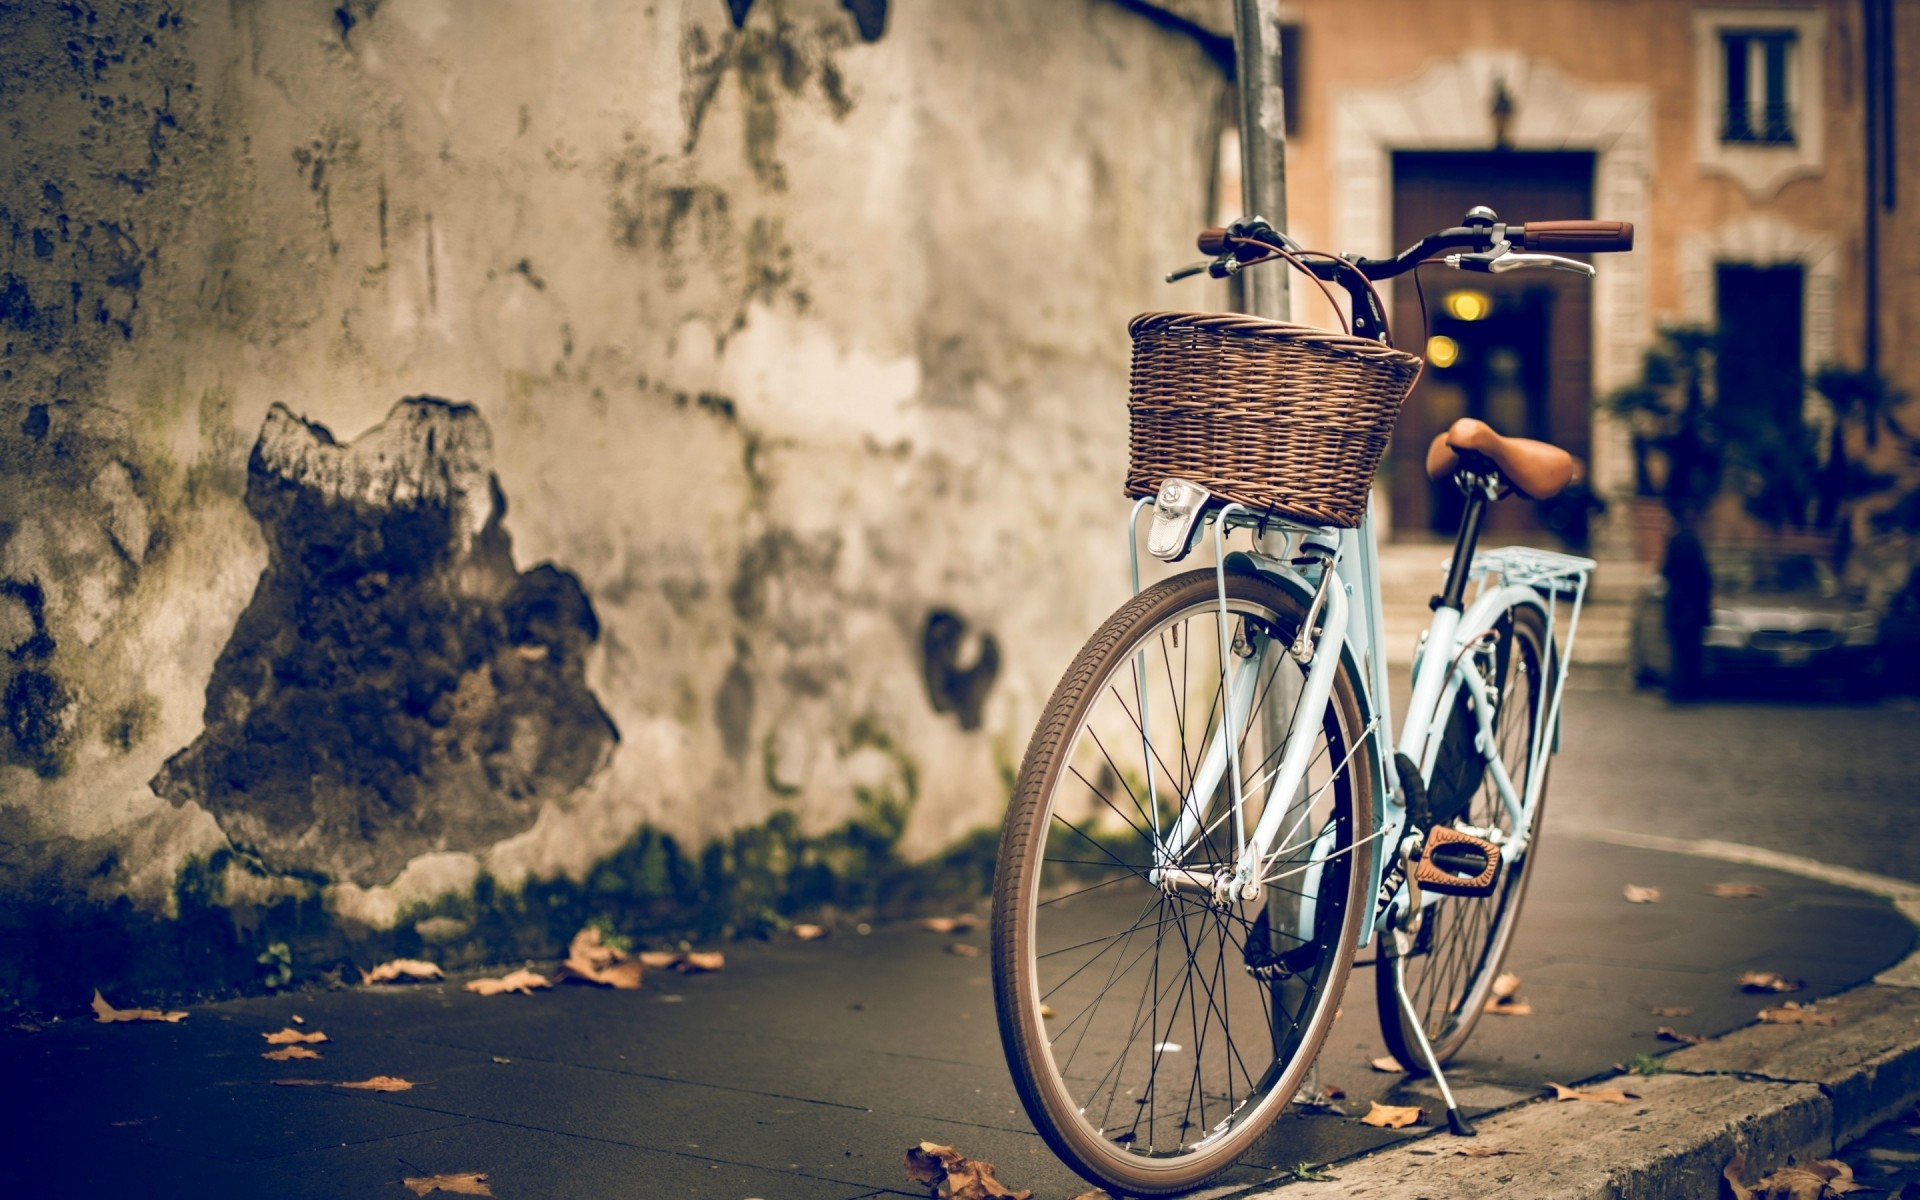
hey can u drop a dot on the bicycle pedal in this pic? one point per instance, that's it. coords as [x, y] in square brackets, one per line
[1457, 864]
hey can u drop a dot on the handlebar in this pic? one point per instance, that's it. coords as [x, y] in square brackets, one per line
[1251, 240]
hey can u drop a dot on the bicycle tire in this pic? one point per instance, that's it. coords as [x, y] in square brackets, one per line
[1077, 922]
[1463, 941]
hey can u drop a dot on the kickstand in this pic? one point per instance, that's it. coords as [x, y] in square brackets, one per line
[1456, 1120]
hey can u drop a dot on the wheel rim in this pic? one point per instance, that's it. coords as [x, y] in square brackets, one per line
[1161, 1039]
[1450, 973]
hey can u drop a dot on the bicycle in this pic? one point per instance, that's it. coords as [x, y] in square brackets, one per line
[1210, 819]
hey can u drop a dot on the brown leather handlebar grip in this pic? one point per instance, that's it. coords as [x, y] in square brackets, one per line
[1213, 240]
[1581, 237]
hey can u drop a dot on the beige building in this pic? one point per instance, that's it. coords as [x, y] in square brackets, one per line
[1768, 153]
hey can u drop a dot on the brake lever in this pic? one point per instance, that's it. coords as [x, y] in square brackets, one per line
[1218, 268]
[1509, 260]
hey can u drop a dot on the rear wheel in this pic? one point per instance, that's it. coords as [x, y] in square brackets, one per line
[1155, 1028]
[1463, 940]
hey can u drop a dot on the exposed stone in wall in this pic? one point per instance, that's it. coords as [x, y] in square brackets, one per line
[395, 686]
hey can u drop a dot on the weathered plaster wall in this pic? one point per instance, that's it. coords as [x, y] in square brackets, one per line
[782, 348]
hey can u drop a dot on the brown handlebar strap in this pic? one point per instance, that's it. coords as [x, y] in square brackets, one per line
[1581, 237]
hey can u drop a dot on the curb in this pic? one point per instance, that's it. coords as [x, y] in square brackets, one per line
[1774, 1094]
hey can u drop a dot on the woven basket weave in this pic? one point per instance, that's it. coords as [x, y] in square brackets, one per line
[1285, 419]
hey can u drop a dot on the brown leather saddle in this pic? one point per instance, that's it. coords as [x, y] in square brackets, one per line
[1537, 469]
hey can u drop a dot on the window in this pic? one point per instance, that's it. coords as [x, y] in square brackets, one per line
[1758, 70]
[1759, 80]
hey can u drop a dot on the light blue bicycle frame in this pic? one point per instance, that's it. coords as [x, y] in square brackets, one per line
[1509, 578]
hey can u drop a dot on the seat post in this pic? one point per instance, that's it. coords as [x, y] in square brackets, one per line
[1478, 488]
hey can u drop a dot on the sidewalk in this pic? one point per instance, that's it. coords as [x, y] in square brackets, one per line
[805, 1069]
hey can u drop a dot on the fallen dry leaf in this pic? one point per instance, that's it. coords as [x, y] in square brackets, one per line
[293, 1037]
[1046, 1010]
[289, 1052]
[1737, 891]
[961, 1178]
[1482, 1151]
[963, 950]
[522, 981]
[657, 960]
[1510, 1008]
[297, 1019]
[474, 1183]
[1791, 1013]
[107, 1013]
[808, 933]
[379, 1083]
[1388, 1064]
[1674, 1035]
[1506, 985]
[591, 960]
[300, 1083]
[959, 924]
[502, 1061]
[1642, 895]
[1670, 1010]
[1095, 1194]
[1767, 981]
[403, 970]
[709, 960]
[1392, 1116]
[1592, 1095]
[1829, 1177]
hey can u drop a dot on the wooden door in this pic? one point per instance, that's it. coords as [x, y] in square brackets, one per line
[1521, 343]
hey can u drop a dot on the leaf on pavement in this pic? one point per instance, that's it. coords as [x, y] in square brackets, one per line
[1642, 895]
[1737, 891]
[1670, 1010]
[293, 1037]
[963, 950]
[107, 1013]
[1592, 1095]
[1388, 1064]
[700, 960]
[1767, 981]
[1791, 1013]
[1674, 1035]
[591, 960]
[403, 970]
[1505, 997]
[473, 1183]
[963, 1178]
[1820, 1180]
[1393, 1116]
[959, 924]
[1095, 1194]
[300, 1083]
[288, 1052]
[808, 932]
[379, 1083]
[522, 981]
[1482, 1151]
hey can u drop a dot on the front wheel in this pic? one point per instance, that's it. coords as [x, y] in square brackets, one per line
[1156, 1024]
[1463, 940]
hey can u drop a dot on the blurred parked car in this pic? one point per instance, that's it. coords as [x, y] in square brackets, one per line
[1777, 618]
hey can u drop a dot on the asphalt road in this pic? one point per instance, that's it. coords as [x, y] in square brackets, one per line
[804, 1070]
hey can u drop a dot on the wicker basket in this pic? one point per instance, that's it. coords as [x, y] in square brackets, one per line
[1285, 419]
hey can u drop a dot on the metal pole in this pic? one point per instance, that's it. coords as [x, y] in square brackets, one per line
[1263, 142]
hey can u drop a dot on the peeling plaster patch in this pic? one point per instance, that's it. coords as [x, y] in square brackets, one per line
[422, 881]
[951, 688]
[395, 687]
[870, 16]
